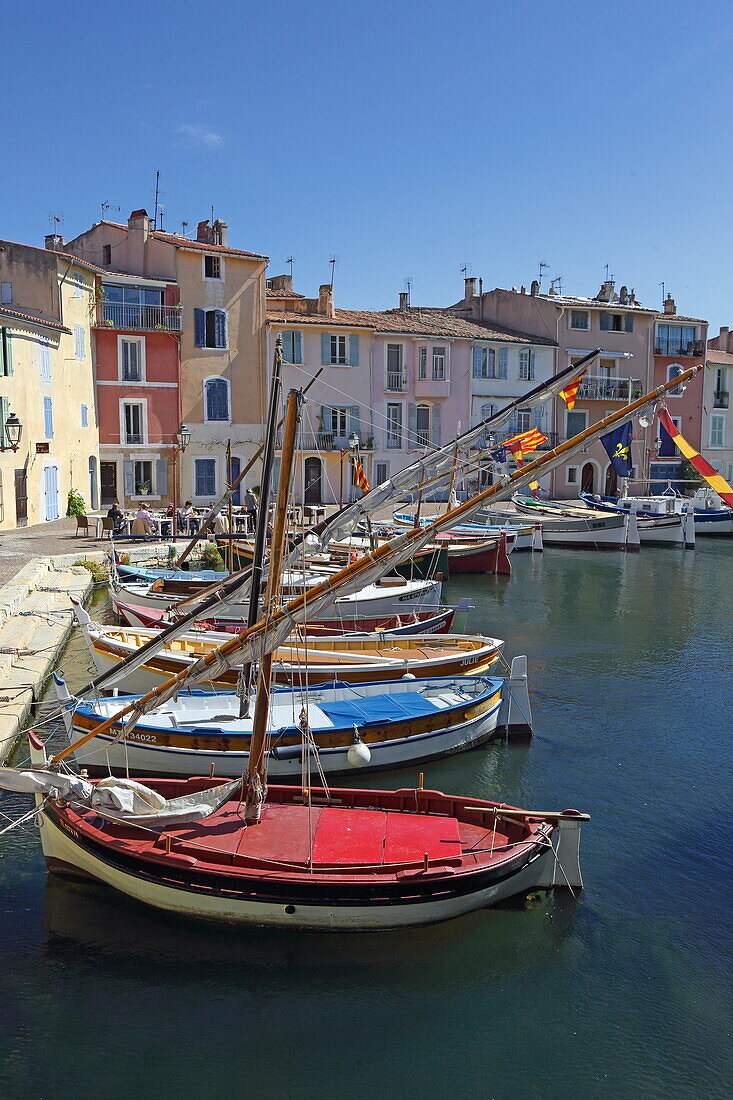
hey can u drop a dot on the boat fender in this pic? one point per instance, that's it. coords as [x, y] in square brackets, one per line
[408, 676]
[358, 753]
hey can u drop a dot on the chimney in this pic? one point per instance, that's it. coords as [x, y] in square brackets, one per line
[280, 282]
[669, 305]
[220, 231]
[470, 288]
[623, 295]
[534, 288]
[325, 300]
[204, 232]
[138, 231]
[723, 339]
[632, 296]
[54, 242]
[605, 294]
[404, 300]
[522, 289]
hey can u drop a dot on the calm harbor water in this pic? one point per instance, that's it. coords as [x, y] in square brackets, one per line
[624, 993]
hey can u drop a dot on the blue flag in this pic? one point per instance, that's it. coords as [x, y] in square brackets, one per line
[618, 448]
[498, 454]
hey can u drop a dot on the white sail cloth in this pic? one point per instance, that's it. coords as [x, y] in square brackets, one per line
[118, 799]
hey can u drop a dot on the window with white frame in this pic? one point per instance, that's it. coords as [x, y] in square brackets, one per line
[579, 318]
[484, 363]
[422, 364]
[78, 286]
[524, 420]
[340, 422]
[381, 472]
[673, 370]
[213, 267]
[571, 475]
[422, 425]
[439, 364]
[80, 346]
[339, 349]
[216, 400]
[142, 477]
[204, 477]
[394, 425]
[44, 359]
[211, 328]
[717, 430]
[131, 358]
[133, 422]
[526, 365]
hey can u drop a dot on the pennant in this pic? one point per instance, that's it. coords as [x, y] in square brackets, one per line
[568, 394]
[617, 445]
[715, 480]
[360, 478]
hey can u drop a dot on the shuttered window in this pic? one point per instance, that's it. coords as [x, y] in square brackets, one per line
[210, 328]
[44, 360]
[503, 362]
[292, 346]
[85, 416]
[217, 399]
[526, 365]
[48, 417]
[204, 477]
[80, 344]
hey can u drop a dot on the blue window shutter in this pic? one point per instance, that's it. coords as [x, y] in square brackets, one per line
[354, 351]
[503, 362]
[511, 427]
[161, 477]
[287, 339]
[477, 357]
[128, 473]
[326, 418]
[412, 425]
[220, 328]
[48, 417]
[4, 412]
[436, 425]
[236, 469]
[354, 422]
[325, 348]
[199, 328]
[629, 323]
[531, 364]
[297, 347]
[537, 416]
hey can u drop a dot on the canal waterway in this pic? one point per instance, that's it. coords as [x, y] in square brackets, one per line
[625, 992]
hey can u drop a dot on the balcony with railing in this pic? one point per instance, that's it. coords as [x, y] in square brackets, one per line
[603, 388]
[139, 317]
[317, 441]
[396, 382]
[675, 347]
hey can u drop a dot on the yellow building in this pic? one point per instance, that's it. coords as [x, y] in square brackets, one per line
[47, 381]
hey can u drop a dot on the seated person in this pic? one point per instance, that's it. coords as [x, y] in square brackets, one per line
[117, 517]
[221, 524]
[144, 522]
[187, 520]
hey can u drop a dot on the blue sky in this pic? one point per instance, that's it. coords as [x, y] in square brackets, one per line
[407, 138]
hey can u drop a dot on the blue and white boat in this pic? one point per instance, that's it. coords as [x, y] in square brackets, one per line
[708, 521]
[521, 534]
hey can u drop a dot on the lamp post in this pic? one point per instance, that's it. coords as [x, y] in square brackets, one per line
[183, 438]
[13, 433]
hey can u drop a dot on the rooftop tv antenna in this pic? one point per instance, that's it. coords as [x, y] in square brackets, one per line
[333, 261]
[466, 269]
[55, 218]
[158, 193]
[289, 261]
[556, 289]
[184, 227]
[161, 211]
[408, 288]
[609, 278]
[108, 206]
[663, 289]
[541, 267]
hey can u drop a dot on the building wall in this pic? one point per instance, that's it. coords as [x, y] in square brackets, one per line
[38, 287]
[719, 455]
[241, 364]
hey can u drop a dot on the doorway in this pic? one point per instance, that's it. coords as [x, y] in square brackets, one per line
[588, 478]
[21, 498]
[109, 482]
[51, 492]
[611, 486]
[93, 502]
[313, 470]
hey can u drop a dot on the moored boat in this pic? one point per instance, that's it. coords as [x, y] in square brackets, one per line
[708, 521]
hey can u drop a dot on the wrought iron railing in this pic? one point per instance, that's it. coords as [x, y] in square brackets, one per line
[396, 382]
[602, 388]
[141, 317]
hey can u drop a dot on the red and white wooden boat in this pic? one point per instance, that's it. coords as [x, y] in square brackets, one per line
[350, 860]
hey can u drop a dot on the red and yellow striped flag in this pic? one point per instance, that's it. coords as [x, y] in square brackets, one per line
[714, 479]
[568, 394]
[527, 441]
[360, 478]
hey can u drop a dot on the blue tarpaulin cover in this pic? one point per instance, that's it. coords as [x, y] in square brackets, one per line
[378, 708]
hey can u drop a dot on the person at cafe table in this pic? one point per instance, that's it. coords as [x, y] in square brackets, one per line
[117, 516]
[144, 522]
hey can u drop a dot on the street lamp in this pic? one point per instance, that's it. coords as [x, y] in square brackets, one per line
[183, 438]
[13, 432]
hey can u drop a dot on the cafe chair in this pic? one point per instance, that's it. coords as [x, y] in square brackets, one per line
[82, 525]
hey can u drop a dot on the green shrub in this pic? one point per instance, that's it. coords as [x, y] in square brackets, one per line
[210, 557]
[75, 505]
[97, 570]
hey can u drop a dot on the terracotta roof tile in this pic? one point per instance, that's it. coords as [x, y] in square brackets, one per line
[722, 358]
[679, 317]
[43, 321]
[202, 246]
[282, 294]
[428, 321]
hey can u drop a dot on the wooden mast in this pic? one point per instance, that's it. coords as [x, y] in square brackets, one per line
[257, 774]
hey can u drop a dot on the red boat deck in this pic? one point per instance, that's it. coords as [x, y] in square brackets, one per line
[341, 836]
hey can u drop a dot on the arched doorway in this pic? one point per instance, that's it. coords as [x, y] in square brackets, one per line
[611, 484]
[312, 474]
[588, 477]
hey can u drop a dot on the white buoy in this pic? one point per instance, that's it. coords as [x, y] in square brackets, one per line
[537, 543]
[358, 754]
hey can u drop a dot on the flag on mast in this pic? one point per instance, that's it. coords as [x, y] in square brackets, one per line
[617, 445]
[360, 479]
[569, 392]
[715, 480]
